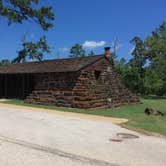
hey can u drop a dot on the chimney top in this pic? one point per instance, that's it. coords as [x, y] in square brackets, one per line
[107, 52]
[107, 48]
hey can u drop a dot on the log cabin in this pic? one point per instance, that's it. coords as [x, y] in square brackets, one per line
[89, 82]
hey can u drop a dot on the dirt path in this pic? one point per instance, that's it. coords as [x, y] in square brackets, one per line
[51, 138]
[71, 114]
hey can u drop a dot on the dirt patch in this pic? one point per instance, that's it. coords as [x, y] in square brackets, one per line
[115, 140]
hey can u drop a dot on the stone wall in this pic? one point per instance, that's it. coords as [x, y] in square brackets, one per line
[90, 90]
[53, 89]
[103, 90]
[97, 86]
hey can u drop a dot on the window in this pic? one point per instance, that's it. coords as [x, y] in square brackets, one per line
[97, 74]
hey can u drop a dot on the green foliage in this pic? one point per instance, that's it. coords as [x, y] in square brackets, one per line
[129, 75]
[122, 68]
[136, 66]
[149, 78]
[4, 62]
[152, 81]
[32, 50]
[91, 53]
[17, 11]
[77, 51]
[138, 61]
[160, 67]
[20, 10]
[156, 43]
[132, 73]
[156, 52]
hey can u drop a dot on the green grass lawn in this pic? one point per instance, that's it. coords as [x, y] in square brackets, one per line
[135, 113]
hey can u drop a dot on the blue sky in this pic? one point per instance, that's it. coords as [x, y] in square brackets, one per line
[93, 23]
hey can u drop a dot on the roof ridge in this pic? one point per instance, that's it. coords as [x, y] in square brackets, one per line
[84, 67]
[48, 60]
[54, 65]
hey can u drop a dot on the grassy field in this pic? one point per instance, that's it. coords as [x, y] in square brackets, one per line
[135, 113]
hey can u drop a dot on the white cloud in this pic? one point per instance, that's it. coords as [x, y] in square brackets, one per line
[93, 44]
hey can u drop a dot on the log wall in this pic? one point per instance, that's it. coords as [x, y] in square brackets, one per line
[53, 89]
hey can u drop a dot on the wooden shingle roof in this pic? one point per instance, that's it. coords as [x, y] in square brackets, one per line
[48, 66]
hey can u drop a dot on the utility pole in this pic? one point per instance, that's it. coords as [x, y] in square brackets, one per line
[115, 46]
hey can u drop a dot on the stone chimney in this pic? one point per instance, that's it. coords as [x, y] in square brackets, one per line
[107, 52]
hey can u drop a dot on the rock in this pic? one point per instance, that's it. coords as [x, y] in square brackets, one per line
[153, 111]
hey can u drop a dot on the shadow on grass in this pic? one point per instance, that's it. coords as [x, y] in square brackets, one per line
[153, 97]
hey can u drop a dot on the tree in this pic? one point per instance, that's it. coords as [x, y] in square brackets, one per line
[27, 10]
[129, 75]
[77, 51]
[153, 83]
[21, 10]
[120, 65]
[4, 62]
[142, 77]
[156, 43]
[138, 54]
[137, 63]
[32, 50]
[91, 53]
[156, 53]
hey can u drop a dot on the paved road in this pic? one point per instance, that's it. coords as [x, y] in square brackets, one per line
[30, 138]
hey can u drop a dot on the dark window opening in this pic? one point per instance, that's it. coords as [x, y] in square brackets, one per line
[16, 85]
[97, 74]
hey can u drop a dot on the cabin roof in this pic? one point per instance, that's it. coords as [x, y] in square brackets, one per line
[49, 66]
